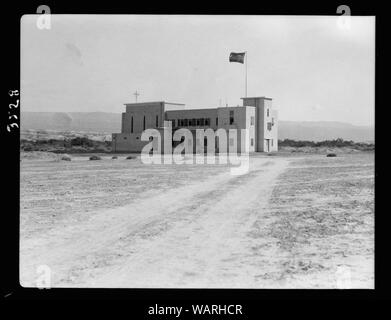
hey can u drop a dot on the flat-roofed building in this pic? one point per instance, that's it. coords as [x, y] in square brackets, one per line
[256, 115]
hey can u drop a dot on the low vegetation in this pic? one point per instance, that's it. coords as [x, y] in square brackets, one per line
[73, 145]
[337, 143]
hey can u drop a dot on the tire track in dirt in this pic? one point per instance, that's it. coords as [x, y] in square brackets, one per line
[206, 249]
[185, 237]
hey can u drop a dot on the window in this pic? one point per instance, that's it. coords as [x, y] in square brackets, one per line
[217, 121]
[207, 121]
[231, 117]
[269, 126]
[131, 125]
[267, 111]
[252, 121]
[144, 123]
[157, 121]
[198, 122]
[272, 142]
[186, 122]
[252, 142]
[173, 122]
[202, 122]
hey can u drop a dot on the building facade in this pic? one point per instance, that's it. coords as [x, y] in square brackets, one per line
[256, 114]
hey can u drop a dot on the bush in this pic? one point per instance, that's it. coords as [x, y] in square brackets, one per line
[130, 157]
[95, 158]
[337, 143]
[66, 158]
[81, 141]
[115, 157]
[331, 155]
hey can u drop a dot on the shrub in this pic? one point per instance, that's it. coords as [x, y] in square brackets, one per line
[81, 141]
[331, 155]
[95, 158]
[66, 158]
[115, 157]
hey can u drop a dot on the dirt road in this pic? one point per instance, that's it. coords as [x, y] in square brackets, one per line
[196, 235]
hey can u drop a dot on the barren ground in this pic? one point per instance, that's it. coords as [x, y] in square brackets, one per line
[293, 221]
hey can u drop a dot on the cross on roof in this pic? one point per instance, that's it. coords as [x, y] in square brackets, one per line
[136, 94]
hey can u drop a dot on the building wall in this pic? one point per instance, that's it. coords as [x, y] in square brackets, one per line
[193, 114]
[131, 142]
[149, 110]
[266, 134]
[127, 142]
[242, 120]
[253, 115]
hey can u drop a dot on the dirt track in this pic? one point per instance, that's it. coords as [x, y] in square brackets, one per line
[190, 236]
[214, 232]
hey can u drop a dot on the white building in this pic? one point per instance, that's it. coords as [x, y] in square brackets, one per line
[256, 115]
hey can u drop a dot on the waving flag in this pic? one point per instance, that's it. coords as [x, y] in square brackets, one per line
[237, 57]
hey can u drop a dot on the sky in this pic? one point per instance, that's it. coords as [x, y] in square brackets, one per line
[316, 68]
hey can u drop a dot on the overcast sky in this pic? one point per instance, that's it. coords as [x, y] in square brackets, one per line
[313, 68]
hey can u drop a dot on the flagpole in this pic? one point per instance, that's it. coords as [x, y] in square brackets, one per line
[246, 75]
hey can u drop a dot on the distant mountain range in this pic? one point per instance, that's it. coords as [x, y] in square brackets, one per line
[111, 122]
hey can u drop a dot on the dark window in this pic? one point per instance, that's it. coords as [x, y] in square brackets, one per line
[217, 121]
[198, 122]
[202, 122]
[207, 121]
[252, 121]
[269, 126]
[131, 125]
[144, 123]
[231, 117]
[173, 122]
[157, 121]
[267, 112]
[186, 122]
[252, 142]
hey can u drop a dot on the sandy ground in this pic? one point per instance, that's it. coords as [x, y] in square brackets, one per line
[290, 222]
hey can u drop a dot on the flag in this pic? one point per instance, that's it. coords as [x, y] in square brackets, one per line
[237, 57]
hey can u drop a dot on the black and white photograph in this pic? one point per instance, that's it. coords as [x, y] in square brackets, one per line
[196, 151]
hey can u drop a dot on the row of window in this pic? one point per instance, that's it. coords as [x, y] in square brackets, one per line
[192, 122]
[197, 122]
